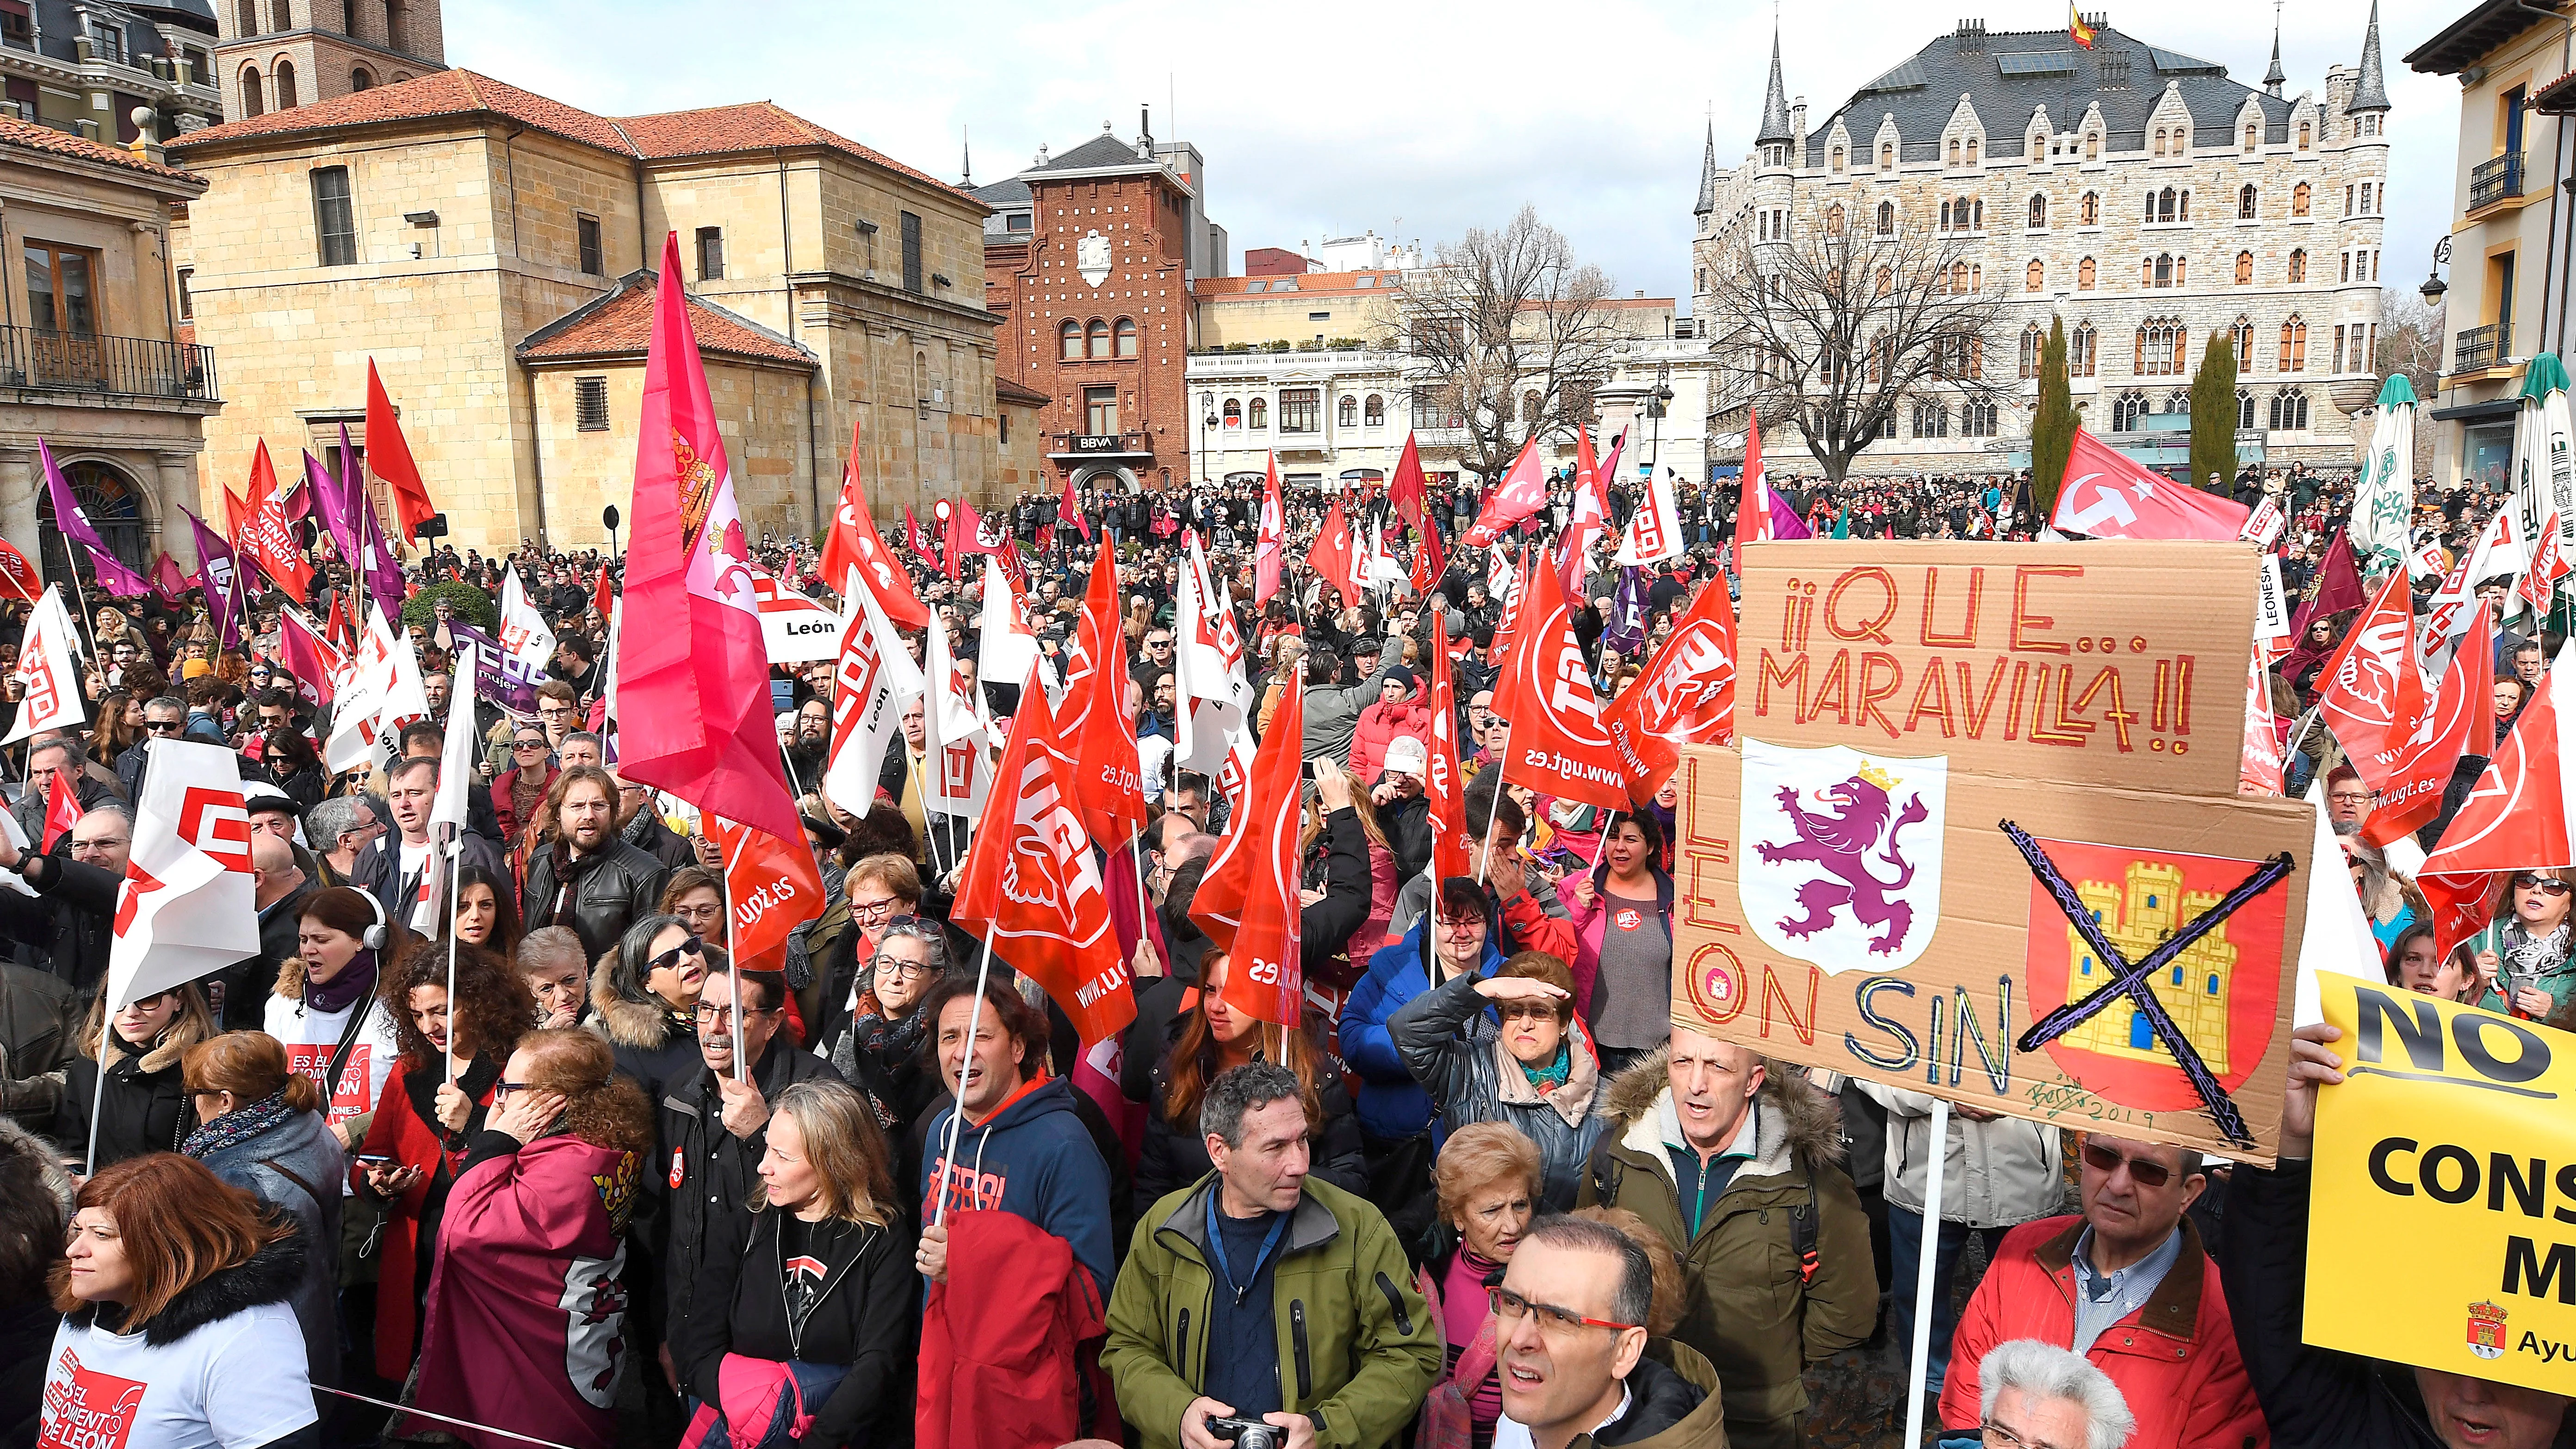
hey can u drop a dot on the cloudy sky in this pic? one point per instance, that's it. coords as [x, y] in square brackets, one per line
[1418, 120]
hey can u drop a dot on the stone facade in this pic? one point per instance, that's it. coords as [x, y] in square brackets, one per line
[99, 368]
[2173, 203]
[479, 215]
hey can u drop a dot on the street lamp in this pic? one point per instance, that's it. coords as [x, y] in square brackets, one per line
[1207, 431]
[1655, 401]
[2433, 288]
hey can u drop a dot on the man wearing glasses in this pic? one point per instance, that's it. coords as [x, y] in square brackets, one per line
[2126, 1285]
[164, 718]
[1570, 1339]
[1253, 1244]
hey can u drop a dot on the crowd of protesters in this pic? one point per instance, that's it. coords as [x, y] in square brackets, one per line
[595, 1185]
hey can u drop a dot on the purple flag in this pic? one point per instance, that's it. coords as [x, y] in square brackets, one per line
[218, 573]
[333, 507]
[1625, 630]
[113, 575]
[1785, 522]
[384, 578]
[507, 682]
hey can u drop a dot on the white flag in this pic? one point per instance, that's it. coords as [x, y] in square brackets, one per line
[2500, 553]
[953, 744]
[1654, 531]
[47, 671]
[876, 675]
[523, 630]
[447, 810]
[1008, 650]
[2383, 497]
[185, 908]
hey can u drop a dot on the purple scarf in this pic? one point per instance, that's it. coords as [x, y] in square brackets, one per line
[336, 994]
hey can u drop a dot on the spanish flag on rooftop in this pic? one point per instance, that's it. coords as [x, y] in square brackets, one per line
[2076, 27]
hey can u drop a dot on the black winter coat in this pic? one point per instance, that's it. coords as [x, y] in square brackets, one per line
[36, 1029]
[145, 1109]
[612, 890]
[68, 919]
[864, 1319]
[709, 1172]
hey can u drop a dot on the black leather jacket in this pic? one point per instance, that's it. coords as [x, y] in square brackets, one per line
[613, 890]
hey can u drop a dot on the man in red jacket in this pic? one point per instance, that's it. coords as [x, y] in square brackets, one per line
[2128, 1286]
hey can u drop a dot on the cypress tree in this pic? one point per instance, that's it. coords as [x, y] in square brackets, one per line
[2213, 414]
[2052, 430]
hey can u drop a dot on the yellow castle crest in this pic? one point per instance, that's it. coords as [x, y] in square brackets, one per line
[2136, 916]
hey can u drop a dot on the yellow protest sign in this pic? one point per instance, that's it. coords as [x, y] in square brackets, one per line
[2442, 1215]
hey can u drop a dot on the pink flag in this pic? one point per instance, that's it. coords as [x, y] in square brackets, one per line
[2107, 495]
[1523, 492]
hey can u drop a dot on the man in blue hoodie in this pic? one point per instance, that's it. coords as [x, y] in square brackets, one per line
[1021, 1146]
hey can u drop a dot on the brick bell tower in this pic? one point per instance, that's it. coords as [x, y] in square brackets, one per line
[275, 55]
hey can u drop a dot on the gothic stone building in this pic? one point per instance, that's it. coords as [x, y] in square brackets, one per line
[2134, 191]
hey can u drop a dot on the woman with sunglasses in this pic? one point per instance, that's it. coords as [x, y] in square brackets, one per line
[289, 757]
[2529, 965]
[520, 789]
[645, 1002]
[143, 1104]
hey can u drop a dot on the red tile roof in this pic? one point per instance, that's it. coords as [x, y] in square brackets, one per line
[709, 131]
[15, 132]
[1005, 390]
[621, 321]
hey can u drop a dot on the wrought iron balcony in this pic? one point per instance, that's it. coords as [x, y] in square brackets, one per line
[2496, 180]
[2481, 347]
[44, 360]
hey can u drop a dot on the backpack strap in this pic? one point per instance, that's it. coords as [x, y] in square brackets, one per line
[1606, 1170]
[279, 1167]
[1802, 1235]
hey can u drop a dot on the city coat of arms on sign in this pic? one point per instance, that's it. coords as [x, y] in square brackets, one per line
[1091, 258]
[1842, 854]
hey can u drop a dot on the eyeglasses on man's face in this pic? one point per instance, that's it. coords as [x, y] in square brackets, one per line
[1553, 1322]
[2144, 1171]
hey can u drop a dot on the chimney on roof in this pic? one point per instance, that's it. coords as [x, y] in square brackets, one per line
[1144, 133]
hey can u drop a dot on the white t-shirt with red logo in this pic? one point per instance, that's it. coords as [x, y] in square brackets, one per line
[310, 1038]
[112, 1391]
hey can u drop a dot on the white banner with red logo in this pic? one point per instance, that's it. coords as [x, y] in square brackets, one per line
[524, 635]
[793, 628]
[185, 909]
[875, 676]
[48, 672]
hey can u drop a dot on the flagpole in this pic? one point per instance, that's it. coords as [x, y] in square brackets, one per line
[1136, 854]
[741, 1067]
[455, 893]
[957, 1113]
[98, 1090]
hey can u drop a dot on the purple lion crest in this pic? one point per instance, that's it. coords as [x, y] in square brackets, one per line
[1868, 824]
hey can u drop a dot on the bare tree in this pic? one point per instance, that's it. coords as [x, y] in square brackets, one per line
[1508, 337]
[2410, 341]
[1851, 318]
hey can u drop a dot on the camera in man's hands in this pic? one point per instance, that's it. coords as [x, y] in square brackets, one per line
[1246, 1433]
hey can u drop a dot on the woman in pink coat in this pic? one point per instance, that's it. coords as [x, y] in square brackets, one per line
[1397, 713]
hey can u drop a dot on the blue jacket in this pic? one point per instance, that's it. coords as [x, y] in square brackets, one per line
[1034, 1158]
[1391, 1103]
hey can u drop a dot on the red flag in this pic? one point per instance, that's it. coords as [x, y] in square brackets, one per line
[1031, 886]
[1685, 697]
[2460, 720]
[913, 537]
[266, 535]
[966, 535]
[1249, 903]
[1070, 508]
[1590, 516]
[1753, 501]
[389, 458]
[1523, 492]
[772, 886]
[62, 811]
[235, 512]
[18, 577]
[1270, 541]
[1558, 746]
[2462, 905]
[604, 593]
[693, 689]
[2548, 566]
[339, 628]
[263, 479]
[1441, 779]
[852, 542]
[1407, 492]
[2517, 817]
[2258, 765]
[167, 581]
[2106, 495]
[2371, 694]
[2338, 588]
[1330, 558]
[1107, 775]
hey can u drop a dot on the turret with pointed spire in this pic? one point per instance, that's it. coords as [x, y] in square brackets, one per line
[2370, 93]
[966, 146]
[1775, 102]
[1708, 173]
[2275, 78]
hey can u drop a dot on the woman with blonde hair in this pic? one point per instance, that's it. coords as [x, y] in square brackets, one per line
[264, 1134]
[141, 1100]
[1488, 1182]
[816, 1283]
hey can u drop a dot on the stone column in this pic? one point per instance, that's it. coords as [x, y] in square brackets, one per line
[178, 490]
[18, 498]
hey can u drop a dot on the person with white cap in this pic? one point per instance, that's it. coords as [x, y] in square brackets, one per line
[1403, 810]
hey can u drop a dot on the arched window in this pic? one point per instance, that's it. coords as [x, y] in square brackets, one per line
[2160, 140]
[2244, 268]
[1838, 158]
[1126, 336]
[1347, 414]
[2299, 199]
[1375, 412]
[1977, 215]
[2294, 345]
[2093, 146]
[2035, 276]
[2164, 269]
[2084, 275]
[360, 79]
[2039, 213]
[1529, 406]
[2298, 266]
[2160, 343]
[286, 85]
[2305, 132]
[2165, 204]
[2242, 335]
[1834, 220]
[1886, 281]
[1959, 278]
[1099, 333]
[1887, 218]
[1260, 413]
[2245, 410]
[2253, 136]
[1233, 413]
[1931, 420]
[2033, 344]
[1977, 420]
[246, 18]
[1887, 155]
[2245, 200]
[2183, 213]
[1972, 150]
[394, 37]
[2289, 411]
[2178, 402]
[1954, 152]
[2083, 351]
[2126, 411]
[1071, 333]
[252, 103]
[110, 499]
[2089, 212]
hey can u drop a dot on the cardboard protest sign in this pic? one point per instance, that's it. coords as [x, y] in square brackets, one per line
[2085, 955]
[2115, 663]
[2450, 1135]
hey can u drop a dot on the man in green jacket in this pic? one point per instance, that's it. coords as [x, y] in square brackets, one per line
[1738, 1163]
[1260, 1294]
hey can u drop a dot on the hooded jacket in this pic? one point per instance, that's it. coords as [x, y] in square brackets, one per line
[1996, 1174]
[1392, 1104]
[654, 1046]
[1452, 1047]
[1358, 1348]
[1380, 725]
[405, 1128]
[297, 1168]
[1176, 1155]
[1675, 1404]
[1333, 710]
[1033, 1158]
[1745, 1306]
[312, 1038]
[69, 916]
